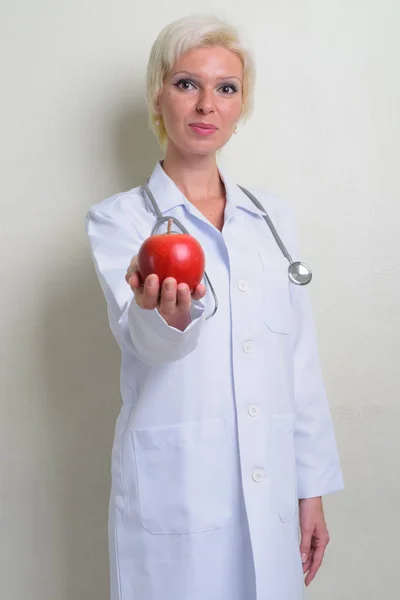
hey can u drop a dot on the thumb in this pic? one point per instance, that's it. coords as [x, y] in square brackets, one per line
[305, 545]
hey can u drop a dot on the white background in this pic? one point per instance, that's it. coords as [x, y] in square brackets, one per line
[324, 137]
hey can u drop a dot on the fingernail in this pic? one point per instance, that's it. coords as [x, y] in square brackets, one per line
[151, 281]
[182, 290]
[304, 558]
[169, 286]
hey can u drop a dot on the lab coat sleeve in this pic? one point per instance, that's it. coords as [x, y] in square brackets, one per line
[318, 465]
[113, 244]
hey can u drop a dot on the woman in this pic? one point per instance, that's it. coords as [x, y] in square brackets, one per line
[224, 442]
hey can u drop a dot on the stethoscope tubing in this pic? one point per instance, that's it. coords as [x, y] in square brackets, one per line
[292, 265]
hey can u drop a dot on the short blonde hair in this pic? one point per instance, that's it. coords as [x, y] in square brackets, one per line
[186, 34]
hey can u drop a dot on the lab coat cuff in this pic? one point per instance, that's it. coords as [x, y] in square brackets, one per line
[158, 342]
[165, 331]
[331, 481]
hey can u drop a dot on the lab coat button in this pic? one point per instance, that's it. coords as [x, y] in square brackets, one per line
[248, 347]
[243, 285]
[258, 475]
[253, 410]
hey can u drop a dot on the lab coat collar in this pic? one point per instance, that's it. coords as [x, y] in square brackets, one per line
[168, 195]
[235, 197]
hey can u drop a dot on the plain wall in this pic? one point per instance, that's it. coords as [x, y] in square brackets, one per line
[324, 137]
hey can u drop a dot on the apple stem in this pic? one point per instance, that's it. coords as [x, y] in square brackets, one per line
[169, 226]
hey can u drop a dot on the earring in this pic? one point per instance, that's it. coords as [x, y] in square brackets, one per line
[158, 122]
[235, 131]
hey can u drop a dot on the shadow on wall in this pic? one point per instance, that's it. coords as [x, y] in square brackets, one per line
[82, 361]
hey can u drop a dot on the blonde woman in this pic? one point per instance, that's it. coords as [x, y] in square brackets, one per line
[224, 444]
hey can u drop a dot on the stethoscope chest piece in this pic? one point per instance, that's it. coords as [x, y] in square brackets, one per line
[299, 273]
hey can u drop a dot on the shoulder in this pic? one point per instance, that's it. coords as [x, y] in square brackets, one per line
[124, 209]
[277, 208]
[119, 203]
[282, 216]
[271, 201]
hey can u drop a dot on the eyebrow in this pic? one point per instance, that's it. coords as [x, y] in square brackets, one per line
[196, 76]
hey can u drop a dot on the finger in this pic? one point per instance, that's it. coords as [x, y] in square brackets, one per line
[199, 292]
[148, 298]
[168, 296]
[305, 544]
[316, 563]
[130, 273]
[133, 268]
[134, 264]
[184, 300]
[308, 563]
[133, 280]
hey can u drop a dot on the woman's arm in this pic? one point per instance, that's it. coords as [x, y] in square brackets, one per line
[113, 245]
[318, 465]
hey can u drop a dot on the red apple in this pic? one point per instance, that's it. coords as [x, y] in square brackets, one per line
[177, 255]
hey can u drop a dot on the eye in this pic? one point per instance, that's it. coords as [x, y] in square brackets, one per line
[228, 88]
[184, 84]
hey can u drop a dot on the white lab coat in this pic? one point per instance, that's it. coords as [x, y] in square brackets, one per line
[223, 426]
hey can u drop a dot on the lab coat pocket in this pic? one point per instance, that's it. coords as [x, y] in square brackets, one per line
[283, 465]
[277, 309]
[183, 476]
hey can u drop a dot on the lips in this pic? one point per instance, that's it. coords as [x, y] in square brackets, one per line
[203, 129]
[205, 126]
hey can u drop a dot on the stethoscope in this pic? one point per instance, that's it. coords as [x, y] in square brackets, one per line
[298, 272]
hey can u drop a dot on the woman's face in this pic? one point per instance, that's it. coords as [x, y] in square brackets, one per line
[202, 99]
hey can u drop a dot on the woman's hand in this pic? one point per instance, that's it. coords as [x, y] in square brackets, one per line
[314, 536]
[174, 301]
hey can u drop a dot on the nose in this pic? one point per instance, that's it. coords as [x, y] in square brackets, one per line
[205, 104]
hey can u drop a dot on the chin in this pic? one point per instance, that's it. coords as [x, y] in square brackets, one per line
[205, 151]
[203, 147]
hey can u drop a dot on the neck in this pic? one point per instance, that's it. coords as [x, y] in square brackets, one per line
[196, 176]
